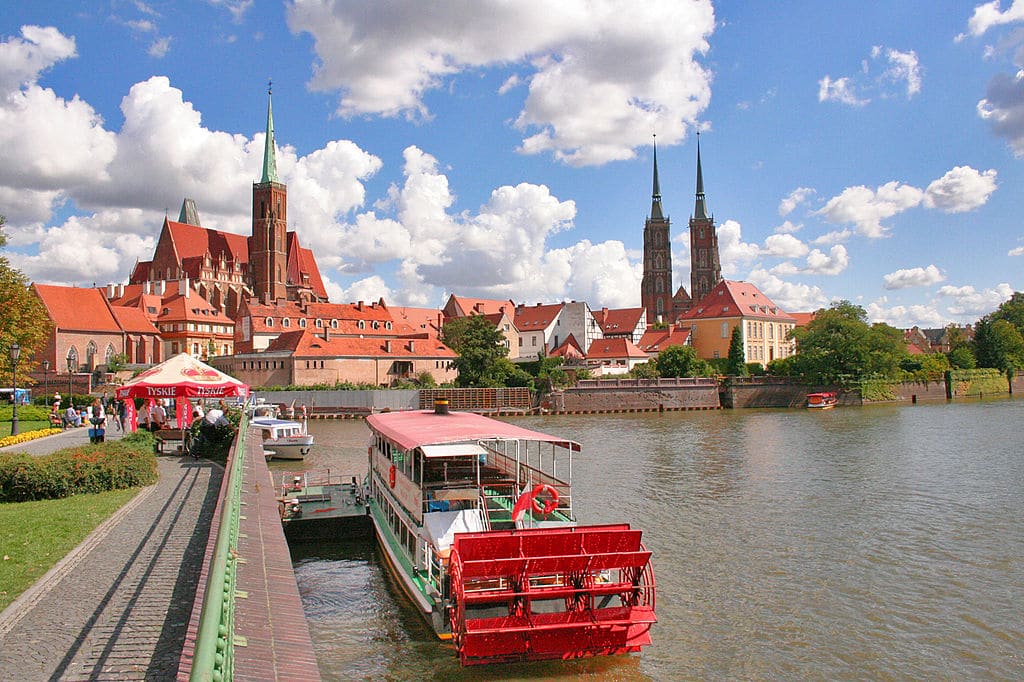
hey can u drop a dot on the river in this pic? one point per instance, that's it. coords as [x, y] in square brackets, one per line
[880, 542]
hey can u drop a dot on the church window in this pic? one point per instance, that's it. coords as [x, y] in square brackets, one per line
[701, 233]
[90, 354]
[72, 359]
[263, 209]
[659, 306]
[659, 285]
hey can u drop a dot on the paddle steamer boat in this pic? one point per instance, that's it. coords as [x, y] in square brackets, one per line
[475, 520]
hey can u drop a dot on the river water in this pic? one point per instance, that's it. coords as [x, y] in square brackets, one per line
[881, 542]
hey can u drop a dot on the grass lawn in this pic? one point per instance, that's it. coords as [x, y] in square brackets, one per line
[36, 535]
[24, 426]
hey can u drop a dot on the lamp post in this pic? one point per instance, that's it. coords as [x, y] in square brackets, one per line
[15, 354]
[71, 388]
[46, 382]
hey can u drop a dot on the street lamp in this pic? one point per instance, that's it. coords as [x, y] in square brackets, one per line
[15, 354]
[46, 383]
[71, 388]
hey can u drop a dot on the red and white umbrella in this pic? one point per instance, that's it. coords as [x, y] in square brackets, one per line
[182, 377]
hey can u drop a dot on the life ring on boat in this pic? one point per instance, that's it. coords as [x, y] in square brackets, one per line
[391, 476]
[529, 499]
[549, 504]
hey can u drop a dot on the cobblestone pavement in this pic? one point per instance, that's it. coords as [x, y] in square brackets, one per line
[118, 606]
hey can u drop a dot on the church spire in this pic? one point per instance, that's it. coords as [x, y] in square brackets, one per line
[700, 210]
[269, 157]
[656, 194]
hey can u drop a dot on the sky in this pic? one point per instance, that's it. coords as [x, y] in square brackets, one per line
[871, 152]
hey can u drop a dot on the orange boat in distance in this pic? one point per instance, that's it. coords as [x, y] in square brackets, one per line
[822, 401]
[474, 517]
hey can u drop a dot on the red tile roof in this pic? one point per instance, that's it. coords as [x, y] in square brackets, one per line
[729, 299]
[534, 317]
[656, 340]
[192, 241]
[304, 343]
[347, 315]
[133, 320]
[614, 348]
[803, 319]
[77, 309]
[481, 306]
[619, 320]
[569, 349]
[420, 320]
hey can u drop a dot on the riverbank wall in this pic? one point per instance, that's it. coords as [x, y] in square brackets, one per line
[635, 395]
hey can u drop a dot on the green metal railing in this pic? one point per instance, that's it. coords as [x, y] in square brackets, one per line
[214, 654]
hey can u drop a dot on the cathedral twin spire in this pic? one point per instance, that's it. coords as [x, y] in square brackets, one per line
[269, 155]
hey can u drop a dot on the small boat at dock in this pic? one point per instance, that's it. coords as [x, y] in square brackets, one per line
[822, 401]
[287, 439]
[319, 505]
[475, 519]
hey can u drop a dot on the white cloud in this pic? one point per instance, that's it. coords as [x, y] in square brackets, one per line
[1019, 251]
[733, 251]
[788, 228]
[989, 15]
[832, 263]
[905, 317]
[793, 298]
[840, 90]
[970, 302]
[914, 277]
[795, 198]
[904, 67]
[784, 246]
[159, 48]
[960, 189]
[23, 59]
[866, 208]
[631, 67]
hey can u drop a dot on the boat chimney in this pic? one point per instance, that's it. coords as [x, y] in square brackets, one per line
[440, 405]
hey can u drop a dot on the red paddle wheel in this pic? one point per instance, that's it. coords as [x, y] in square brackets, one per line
[550, 593]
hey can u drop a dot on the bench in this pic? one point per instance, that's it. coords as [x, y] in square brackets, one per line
[168, 441]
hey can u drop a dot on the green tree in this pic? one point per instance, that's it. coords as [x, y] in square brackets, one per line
[1012, 310]
[24, 319]
[998, 344]
[480, 346]
[645, 370]
[681, 361]
[839, 347]
[962, 357]
[737, 356]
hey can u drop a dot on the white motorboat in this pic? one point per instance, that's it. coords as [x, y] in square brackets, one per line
[287, 439]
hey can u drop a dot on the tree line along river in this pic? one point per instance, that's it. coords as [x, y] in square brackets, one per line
[879, 542]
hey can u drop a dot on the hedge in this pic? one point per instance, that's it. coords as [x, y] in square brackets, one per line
[113, 465]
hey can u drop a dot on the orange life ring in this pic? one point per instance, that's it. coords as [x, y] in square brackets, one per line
[391, 476]
[549, 504]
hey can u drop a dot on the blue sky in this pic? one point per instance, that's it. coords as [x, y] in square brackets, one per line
[862, 151]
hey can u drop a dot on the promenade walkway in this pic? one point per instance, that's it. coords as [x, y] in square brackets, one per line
[118, 606]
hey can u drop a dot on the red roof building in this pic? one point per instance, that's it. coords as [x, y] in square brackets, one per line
[656, 340]
[730, 304]
[630, 323]
[614, 356]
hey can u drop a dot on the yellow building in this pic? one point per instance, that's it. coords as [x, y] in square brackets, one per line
[765, 326]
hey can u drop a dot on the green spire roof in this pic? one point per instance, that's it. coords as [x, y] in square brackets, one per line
[269, 158]
[700, 211]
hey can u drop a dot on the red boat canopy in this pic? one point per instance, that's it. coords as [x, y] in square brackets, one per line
[182, 377]
[409, 430]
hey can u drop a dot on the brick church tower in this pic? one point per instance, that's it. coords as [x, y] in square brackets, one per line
[656, 286]
[268, 247]
[705, 265]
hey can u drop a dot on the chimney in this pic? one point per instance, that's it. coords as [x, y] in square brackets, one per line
[359, 306]
[146, 287]
[183, 287]
[412, 346]
[440, 405]
[120, 290]
[327, 333]
[387, 345]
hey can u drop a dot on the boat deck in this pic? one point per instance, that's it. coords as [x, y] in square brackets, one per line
[318, 506]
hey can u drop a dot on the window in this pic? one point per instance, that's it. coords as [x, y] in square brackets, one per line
[319, 323]
[72, 359]
[361, 324]
[302, 323]
[334, 324]
[270, 322]
[725, 331]
[286, 323]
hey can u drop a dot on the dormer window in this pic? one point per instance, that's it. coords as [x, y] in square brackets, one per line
[302, 322]
[286, 322]
[376, 324]
[361, 324]
[319, 323]
[270, 322]
[334, 324]
[387, 325]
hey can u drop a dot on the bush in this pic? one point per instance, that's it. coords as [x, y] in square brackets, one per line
[76, 471]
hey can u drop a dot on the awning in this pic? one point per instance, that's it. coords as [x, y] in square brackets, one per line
[453, 450]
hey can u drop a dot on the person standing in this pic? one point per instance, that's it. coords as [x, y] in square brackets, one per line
[158, 416]
[122, 413]
[145, 417]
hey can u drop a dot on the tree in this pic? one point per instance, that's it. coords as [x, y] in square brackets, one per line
[737, 366]
[645, 370]
[1011, 310]
[24, 319]
[681, 361]
[998, 344]
[480, 346]
[839, 347]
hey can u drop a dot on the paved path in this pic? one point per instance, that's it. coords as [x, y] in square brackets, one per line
[118, 606]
